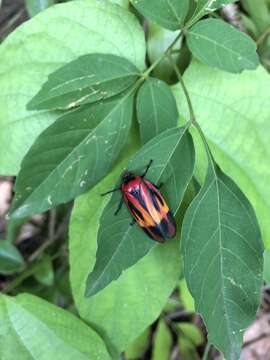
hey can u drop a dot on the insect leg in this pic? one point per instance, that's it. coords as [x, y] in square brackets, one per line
[132, 222]
[147, 168]
[159, 186]
[108, 192]
[119, 206]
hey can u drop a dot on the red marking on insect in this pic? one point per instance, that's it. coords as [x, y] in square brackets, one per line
[146, 205]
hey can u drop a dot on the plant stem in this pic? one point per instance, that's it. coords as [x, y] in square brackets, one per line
[180, 78]
[53, 236]
[161, 57]
[206, 351]
[263, 36]
[211, 160]
[193, 120]
[147, 72]
[29, 272]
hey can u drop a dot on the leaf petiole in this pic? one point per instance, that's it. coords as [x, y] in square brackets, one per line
[180, 78]
[146, 73]
[193, 120]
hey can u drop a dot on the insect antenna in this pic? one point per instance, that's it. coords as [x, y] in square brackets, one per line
[109, 192]
[147, 168]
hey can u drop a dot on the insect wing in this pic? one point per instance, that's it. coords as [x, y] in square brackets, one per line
[150, 211]
[160, 212]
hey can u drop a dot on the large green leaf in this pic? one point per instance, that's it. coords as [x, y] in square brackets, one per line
[72, 155]
[173, 163]
[11, 259]
[40, 46]
[85, 80]
[35, 6]
[156, 109]
[234, 112]
[32, 328]
[206, 6]
[222, 250]
[220, 45]
[135, 300]
[167, 13]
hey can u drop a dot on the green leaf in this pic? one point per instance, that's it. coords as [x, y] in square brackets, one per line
[188, 339]
[162, 342]
[44, 271]
[156, 109]
[168, 13]
[205, 7]
[44, 44]
[136, 299]
[220, 45]
[11, 259]
[220, 235]
[185, 296]
[266, 266]
[258, 13]
[139, 346]
[35, 6]
[89, 78]
[187, 350]
[173, 156]
[72, 155]
[234, 112]
[36, 329]
[192, 332]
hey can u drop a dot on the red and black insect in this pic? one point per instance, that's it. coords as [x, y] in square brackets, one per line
[146, 205]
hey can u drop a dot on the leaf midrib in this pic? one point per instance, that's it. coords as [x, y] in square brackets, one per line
[178, 19]
[115, 253]
[100, 82]
[154, 107]
[223, 288]
[218, 45]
